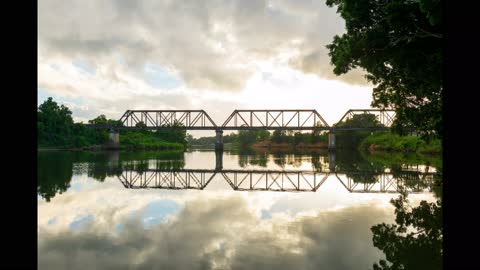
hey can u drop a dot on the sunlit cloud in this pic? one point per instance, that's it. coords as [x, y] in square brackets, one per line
[214, 55]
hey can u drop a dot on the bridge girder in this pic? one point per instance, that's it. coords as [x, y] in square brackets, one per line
[383, 116]
[275, 120]
[166, 119]
[298, 119]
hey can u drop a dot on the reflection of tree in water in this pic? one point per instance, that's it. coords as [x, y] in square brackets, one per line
[282, 159]
[97, 165]
[257, 159]
[358, 168]
[100, 166]
[414, 180]
[141, 162]
[55, 169]
[54, 173]
[316, 163]
[247, 156]
[279, 159]
[420, 248]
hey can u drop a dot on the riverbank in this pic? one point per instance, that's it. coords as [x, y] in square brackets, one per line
[405, 144]
[289, 146]
[141, 147]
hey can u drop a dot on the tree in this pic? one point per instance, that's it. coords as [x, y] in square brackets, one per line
[246, 137]
[262, 135]
[404, 248]
[177, 134]
[352, 138]
[54, 124]
[279, 136]
[399, 44]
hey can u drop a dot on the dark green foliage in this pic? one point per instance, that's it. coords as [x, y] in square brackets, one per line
[54, 124]
[54, 172]
[262, 135]
[56, 168]
[246, 137]
[399, 44]
[56, 128]
[146, 140]
[393, 142]
[407, 249]
[230, 138]
[351, 139]
[280, 136]
[173, 135]
[359, 168]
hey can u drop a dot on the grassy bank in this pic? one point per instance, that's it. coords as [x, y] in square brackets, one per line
[138, 140]
[396, 143]
[128, 141]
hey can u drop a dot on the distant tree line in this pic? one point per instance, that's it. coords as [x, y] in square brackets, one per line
[249, 137]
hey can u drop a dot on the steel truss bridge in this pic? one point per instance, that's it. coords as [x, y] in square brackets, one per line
[272, 180]
[297, 119]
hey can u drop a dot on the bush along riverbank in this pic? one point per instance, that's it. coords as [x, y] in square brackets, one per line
[57, 131]
[396, 143]
[144, 140]
[128, 141]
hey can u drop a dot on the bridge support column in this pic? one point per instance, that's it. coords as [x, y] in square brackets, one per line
[219, 140]
[114, 139]
[331, 162]
[331, 140]
[218, 160]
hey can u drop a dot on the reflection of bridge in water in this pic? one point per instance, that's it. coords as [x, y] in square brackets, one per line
[277, 180]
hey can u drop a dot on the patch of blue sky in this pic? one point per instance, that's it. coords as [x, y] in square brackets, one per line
[159, 77]
[120, 60]
[44, 93]
[265, 214]
[119, 227]
[77, 187]
[81, 222]
[84, 66]
[52, 221]
[158, 211]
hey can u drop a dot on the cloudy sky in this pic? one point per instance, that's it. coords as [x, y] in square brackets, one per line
[104, 57]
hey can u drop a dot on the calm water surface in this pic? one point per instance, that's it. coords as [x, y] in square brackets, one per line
[236, 210]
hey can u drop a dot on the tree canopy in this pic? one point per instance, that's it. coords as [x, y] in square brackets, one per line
[399, 44]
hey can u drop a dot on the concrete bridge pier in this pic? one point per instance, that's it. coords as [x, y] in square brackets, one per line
[218, 160]
[114, 139]
[331, 140]
[219, 140]
[331, 162]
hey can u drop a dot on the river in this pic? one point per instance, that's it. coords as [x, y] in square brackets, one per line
[234, 210]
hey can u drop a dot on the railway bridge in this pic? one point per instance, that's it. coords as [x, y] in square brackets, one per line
[266, 119]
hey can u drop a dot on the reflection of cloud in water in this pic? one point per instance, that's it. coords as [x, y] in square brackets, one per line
[222, 234]
[82, 222]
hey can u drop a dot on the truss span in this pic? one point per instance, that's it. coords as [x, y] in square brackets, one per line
[167, 119]
[275, 120]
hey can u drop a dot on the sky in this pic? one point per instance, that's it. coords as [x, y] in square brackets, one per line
[106, 57]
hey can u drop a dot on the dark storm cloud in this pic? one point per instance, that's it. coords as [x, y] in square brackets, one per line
[222, 234]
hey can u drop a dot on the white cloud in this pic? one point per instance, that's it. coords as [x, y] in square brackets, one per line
[219, 50]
